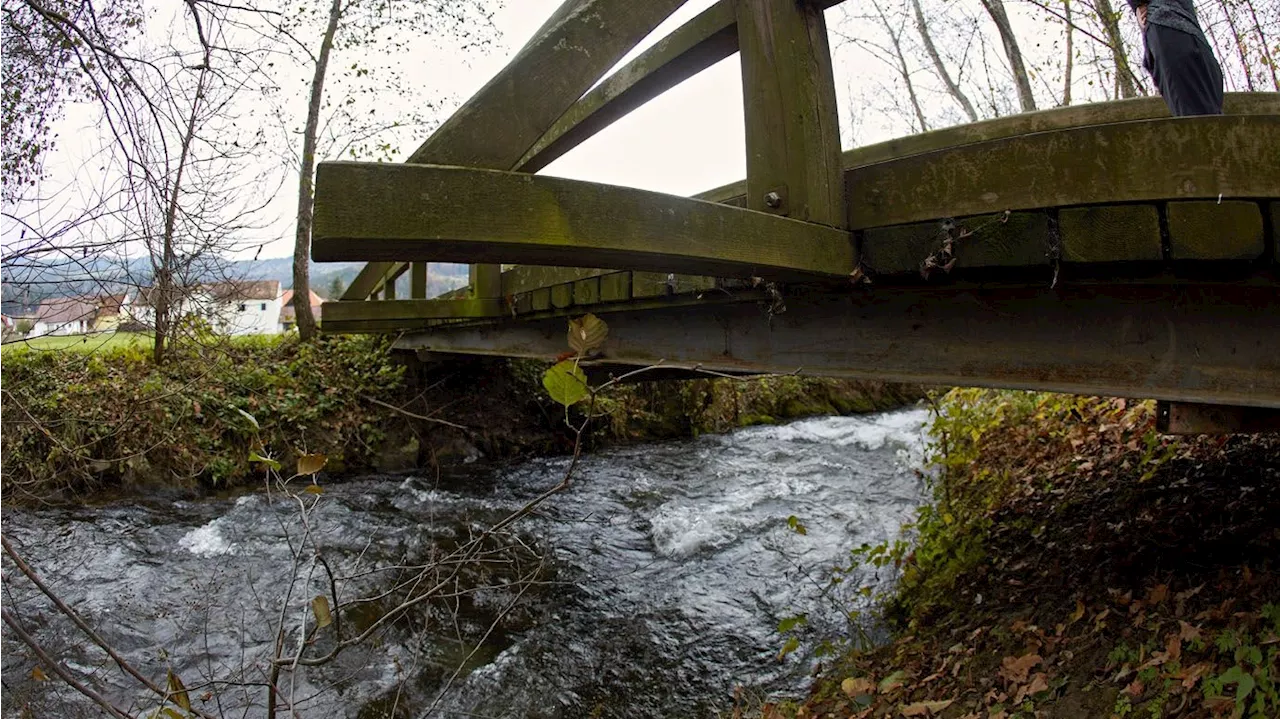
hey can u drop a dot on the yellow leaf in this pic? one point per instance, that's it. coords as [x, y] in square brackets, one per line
[857, 686]
[311, 463]
[1079, 612]
[39, 675]
[178, 692]
[314, 489]
[587, 333]
[320, 606]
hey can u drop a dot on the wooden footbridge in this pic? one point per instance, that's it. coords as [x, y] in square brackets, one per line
[1105, 249]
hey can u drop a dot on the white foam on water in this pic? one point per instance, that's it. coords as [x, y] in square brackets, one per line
[206, 540]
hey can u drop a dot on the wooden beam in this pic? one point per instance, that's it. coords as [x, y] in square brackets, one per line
[1171, 159]
[494, 129]
[1059, 118]
[1191, 343]
[506, 117]
[698, 44]
[793, 134]
[454, 214]
[392, 315]
[418, 281]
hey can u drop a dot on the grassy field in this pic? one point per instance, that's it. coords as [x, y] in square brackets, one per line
[82, 343]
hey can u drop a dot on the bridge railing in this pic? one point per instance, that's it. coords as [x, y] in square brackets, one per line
[538, 107]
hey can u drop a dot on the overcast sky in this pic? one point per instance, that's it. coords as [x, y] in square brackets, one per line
[688, 140]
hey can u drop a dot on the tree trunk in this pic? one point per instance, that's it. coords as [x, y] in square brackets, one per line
[895, 36]
[1239, 40]
[938, 65]
[306, 201]
[165, 296]
[1126, 82]
[1264, 47]
[1070, 61]
[995, 8]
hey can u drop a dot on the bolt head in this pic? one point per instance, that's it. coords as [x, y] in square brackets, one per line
[772, 200]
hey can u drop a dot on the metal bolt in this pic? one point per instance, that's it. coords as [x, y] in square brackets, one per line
[772, 200]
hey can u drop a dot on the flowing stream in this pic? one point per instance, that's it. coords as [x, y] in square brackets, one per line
[652, 587]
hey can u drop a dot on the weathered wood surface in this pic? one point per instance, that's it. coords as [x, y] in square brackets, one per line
[1120, 233]
[1182, 158]
[418, 281]
[792, 128]
[1216, 231]
[1022, 239]
[392, 315]
[572, 50]
[421, 212]
[1062, 118]
[695, 46]
[1191, 343]
[576, 48]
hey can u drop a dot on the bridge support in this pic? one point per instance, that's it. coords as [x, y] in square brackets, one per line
[1212, 344]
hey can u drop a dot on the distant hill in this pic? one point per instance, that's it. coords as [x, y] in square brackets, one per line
[101, 277]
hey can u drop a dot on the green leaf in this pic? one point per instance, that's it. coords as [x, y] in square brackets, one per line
[790, 623]
[794, 522]
[587, 333]
[566, 383]
[893, 681]
[255, 457]
[792, 644]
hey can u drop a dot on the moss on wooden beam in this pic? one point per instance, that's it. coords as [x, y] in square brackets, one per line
[506, 117]
[1062, 118]
[1173, 159]
[1122, 233]
[452, 214]
[390, 315]
[1209, 230]
[690, 49]
[1020, 240]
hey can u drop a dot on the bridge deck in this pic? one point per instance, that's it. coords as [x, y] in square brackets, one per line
[1105, 249]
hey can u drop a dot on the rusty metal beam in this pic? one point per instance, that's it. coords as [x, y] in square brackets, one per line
[1213, 344]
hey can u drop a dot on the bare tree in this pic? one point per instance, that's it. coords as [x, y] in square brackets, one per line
[1022, 81]
[939, 66]
[1068, 63]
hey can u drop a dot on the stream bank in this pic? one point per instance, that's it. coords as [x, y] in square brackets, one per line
[1074, 563]
[110, 423]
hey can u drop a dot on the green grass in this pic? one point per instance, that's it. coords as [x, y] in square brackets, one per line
[81, 343]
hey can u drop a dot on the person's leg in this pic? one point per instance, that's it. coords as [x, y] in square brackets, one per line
[1186, 72]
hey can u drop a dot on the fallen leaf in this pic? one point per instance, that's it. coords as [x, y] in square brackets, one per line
[919, 709]
[893, 681]
[38, 674]
[1158, 594]
[1187, 632]
[1135, 688]
[1016, 669]
[1173, 647]
[858, 686]
[1039, 683]
[1079, 612]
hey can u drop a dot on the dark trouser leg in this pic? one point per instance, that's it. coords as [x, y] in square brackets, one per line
[1186, 72]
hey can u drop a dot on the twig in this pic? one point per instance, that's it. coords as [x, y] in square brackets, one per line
[84, 626]
[414, 415]
[58, 669]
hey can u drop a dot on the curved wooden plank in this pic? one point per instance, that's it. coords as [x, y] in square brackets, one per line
[454, 214]
[1059, 118]
[698, 44]
[1171, 159]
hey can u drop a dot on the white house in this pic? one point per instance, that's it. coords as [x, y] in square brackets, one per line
[242, 307]
[65, 316]
[245, 307]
